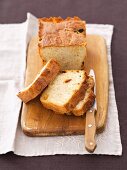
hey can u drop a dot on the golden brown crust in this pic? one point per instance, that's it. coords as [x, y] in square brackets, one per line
[78, 96]
[46, 75]
[55, 108]
[59, 19]
[90, 99]
[87, 105]
[70, 105]
[55, 31]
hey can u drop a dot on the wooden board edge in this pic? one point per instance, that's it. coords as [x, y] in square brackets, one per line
[35, 133]
[101, 123]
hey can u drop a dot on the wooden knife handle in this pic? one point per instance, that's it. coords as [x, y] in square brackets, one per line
[90, 131]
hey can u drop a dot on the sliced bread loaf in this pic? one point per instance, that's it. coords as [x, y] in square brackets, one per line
[46, 75]
[84, 105]
[65, 40]
[64, 93]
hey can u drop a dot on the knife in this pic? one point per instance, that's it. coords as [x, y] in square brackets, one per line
[90, 127]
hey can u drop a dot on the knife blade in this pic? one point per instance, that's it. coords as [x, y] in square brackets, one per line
[90, 127]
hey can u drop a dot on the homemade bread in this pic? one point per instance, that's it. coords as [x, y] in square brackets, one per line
[84, 105]
[46, 75]
[64, 93]
[65, 40]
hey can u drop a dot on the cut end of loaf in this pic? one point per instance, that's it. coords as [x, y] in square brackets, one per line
[69, 58]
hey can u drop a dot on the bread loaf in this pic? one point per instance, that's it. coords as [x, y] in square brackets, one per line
[65, 40]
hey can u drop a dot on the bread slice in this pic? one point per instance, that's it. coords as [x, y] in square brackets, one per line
[46, 75]
[84, 105]
[65, 40]
[64, 93]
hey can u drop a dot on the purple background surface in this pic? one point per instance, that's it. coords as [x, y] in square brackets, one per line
[93, 11]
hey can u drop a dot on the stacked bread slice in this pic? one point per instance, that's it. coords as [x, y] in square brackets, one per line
[71, 92]
[64, 93]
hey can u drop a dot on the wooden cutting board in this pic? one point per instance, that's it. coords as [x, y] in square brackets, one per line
[38, 121]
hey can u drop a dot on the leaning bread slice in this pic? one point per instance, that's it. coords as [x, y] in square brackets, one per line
[64, 93]
[84, 105]
[46, 75]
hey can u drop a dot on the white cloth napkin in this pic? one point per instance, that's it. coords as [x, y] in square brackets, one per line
[13, 44]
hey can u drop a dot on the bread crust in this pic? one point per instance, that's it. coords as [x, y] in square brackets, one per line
[90, 99]
[87, 105]
[46, 75]
[55, 31]
[72, 102]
